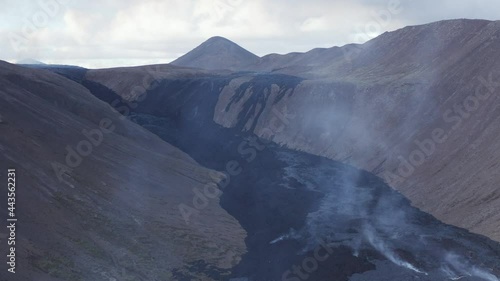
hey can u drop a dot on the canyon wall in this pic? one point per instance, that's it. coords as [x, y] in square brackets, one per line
[98, 195]
[418, 107]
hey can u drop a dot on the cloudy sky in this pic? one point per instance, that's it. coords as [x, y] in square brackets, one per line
[105, 33]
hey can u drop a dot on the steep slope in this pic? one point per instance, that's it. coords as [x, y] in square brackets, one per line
[390, 56]
[217, 53]
[98, 196]
[417, 106]
[287, 200]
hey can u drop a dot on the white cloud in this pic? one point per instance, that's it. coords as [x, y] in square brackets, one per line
[123, 32]
[151, 21]
[81, 26]
[314, 24]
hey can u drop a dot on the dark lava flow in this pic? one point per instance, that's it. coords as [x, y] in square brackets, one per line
[307, 217]
[294, 204]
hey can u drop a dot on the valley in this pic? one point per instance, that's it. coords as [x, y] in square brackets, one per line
[374, 161]
[293, 203]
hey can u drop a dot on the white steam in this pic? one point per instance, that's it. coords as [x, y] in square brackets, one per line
[457, 268]
[290, 235]
[358, 213]
[381, 246]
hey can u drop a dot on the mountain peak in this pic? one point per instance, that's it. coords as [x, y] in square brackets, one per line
[220, 42]
[217, 53]
[218, 39]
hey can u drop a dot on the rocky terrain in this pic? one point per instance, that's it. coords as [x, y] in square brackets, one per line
[304, 142]
[97, 195]
[292, 203]
[417, 107]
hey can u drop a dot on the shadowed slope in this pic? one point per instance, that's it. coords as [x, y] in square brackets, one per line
[113, 214]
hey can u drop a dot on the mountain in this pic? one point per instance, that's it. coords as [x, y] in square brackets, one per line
[217, 53]
[30, 61]
[306, 141]
[288, 200]
[99, 196]
[416, 106]
[410, 49]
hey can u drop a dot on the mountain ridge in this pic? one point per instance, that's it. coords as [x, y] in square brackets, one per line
[198, 57]
[115, 202]
[368, 107]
